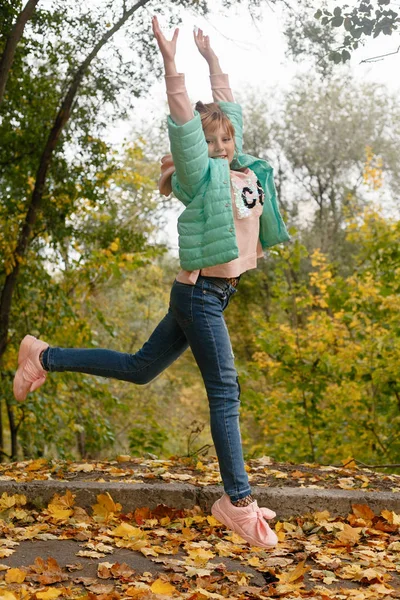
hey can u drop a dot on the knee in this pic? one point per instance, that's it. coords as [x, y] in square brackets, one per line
[142, 379]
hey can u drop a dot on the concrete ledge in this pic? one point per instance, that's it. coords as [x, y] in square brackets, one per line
[285, 501]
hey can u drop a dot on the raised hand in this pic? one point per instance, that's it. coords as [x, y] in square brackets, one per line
[203, 45]
[167, 47]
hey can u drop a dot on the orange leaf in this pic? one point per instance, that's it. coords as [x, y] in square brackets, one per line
[349, 463]
[141, 514]
[363, 511]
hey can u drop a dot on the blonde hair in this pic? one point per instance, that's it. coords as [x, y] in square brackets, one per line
[212, 118]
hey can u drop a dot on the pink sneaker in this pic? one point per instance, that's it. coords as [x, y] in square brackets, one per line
[30, 374]
[248, 521]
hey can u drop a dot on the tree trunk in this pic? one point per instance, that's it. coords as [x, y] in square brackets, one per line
[13, 431]
[12, 42]
[37, 196]
[1, 430]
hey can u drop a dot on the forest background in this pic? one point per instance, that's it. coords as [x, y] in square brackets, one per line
[315, 329]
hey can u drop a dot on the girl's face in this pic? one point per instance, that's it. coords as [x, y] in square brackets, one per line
[220, 143]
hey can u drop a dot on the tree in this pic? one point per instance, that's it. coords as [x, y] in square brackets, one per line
[13, 39]
[54, 159]
[322, 384]
[323, 147]
[318, 33]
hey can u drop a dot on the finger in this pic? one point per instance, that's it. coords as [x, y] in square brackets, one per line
[176, 33]
[155, 25]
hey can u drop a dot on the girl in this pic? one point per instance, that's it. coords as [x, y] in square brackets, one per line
[231, 214]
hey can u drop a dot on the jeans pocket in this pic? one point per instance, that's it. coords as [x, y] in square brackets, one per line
[213, 290]
[181, 302]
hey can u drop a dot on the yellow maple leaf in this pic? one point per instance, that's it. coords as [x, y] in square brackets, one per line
[105, 507]
[391, 517]
[294, 574]
[349, 463]
[254, 561]
[49, 594]
[6, 595]
[7, 501]
[349, 535]
[15, 576]
[60, 507]
[200, 556]
[37, 464]
[321, 516]
[163, 587]
[148, 551]
[126, 530]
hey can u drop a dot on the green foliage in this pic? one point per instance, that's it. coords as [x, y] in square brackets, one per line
[331, 35]
[321, 383]
[147, 436]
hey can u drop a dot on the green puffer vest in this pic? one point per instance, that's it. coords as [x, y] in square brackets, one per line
[206, 227]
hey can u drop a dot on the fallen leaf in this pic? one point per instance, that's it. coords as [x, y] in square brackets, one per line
[363, 511]
[294, 574]
[126, 530]
[162, 587]
[37, 465]
[391, 517]
[46, 571]
[49, 594]
[90, 554]
[349, 535]
[349, 463]
[101, 588]
[83, 467]
[15, 576]
[7, 501]
[105, 507]
[60, 508]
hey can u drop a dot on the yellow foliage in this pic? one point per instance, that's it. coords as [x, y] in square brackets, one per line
[373, 169]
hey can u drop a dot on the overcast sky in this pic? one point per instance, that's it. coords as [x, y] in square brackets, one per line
[253, 54]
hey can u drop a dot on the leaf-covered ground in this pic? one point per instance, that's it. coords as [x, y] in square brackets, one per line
[262, 472]
[64, 551]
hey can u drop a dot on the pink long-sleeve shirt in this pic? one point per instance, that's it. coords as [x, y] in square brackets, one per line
[246, 193]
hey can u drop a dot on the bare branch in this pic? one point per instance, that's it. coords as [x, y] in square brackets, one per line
[12, 42]
[380, 57]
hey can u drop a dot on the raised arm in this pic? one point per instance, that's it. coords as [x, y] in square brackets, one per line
[178, 100]
[219, 81]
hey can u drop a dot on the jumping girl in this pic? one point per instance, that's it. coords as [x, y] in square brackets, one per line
[230, 216]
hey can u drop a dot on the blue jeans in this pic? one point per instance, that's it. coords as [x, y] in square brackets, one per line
[195, 318]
